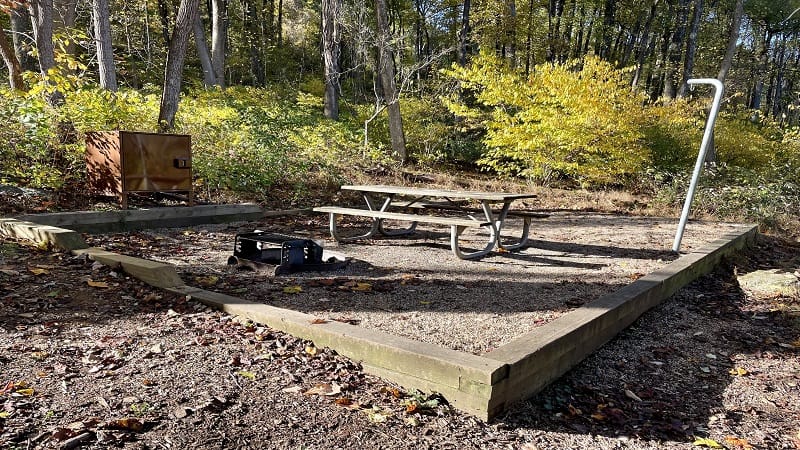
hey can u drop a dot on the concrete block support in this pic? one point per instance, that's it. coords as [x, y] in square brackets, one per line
[42, 234]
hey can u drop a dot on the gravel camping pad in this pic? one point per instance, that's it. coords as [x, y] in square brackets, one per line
[415, 287]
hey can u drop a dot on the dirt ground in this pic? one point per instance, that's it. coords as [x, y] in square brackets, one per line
[90, 358]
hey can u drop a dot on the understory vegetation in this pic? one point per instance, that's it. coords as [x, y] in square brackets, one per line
[575, 125]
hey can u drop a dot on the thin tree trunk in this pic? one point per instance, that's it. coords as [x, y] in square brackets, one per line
[463, 34]
[251, 20]
[105, 51]
[42, 16]
[608, 22]
[644, 45]
[279, 24]
[20, 32]
[209, 77]
[387, 73]
[219, 36]
[163, 16]
[691, 47]
[173, 73]
[733, 39]
[331, 50]
[578, 48]
[675, 51]
[12, 63]
[529, 39]
[762, 63]
[511, 32]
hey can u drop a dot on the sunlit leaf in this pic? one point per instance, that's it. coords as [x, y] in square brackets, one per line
[246, 374]
[738, 371]
[705, 442]
[292, 290]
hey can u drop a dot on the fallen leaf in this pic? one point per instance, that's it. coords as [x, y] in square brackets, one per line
[292, 290]
[27, 392]
[127, 423]
[311, 350]
[4, 414]
[738, 442]
[411, 421]
[376, 415]
[246, 374]
[632, 396]
[318, 321]
[326, 389]
[705, 442]
[361, 287]
[209, 280]
[738, 371]
[97, 284]
[292, 390]
[39, 271]
[598, 416]
[343, 401]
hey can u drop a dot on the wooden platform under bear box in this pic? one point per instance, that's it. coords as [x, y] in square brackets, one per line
[121, 162]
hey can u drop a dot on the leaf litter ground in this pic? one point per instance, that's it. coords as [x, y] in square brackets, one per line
[116, 363]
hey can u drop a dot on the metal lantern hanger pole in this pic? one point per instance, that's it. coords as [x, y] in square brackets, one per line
[701, 157]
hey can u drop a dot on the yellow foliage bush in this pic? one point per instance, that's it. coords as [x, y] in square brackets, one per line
[578, 120]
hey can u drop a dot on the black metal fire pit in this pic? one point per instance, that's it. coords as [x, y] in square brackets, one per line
[289, 254]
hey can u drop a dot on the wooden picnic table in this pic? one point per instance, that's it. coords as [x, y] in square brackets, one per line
[384, 202]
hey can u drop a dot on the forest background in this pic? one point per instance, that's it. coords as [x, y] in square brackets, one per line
[300, 96]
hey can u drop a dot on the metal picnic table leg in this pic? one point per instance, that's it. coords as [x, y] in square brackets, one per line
[501, 219]
[381, 229]
[455, 232]
[338, 238]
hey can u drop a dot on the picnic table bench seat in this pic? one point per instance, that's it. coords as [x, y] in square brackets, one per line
[457, 225]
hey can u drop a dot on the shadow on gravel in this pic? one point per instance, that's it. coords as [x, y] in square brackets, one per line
[665, 377]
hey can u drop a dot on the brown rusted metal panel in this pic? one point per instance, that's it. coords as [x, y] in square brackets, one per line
[119, 162]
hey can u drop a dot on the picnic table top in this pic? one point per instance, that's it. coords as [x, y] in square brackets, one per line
[428, 192]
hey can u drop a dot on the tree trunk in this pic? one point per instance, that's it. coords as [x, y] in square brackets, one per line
[105, 51]
[608, 23]
[331, 49]
[12, 63]
[511, 32]
[279, 24]
[644, 45]
[761, 66]
[251, 20]
[173, 73]
[675, 51]
[20, 32]
[387, 72]
[463, 35]
[209, 78]
[219, 36]
[733, 39]
[529, 40]
[163, 17]
[691, 47]
[42, 16]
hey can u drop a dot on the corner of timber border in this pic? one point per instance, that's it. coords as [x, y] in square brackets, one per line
[482, 385]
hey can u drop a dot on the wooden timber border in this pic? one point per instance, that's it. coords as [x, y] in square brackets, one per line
[483, 385]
